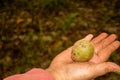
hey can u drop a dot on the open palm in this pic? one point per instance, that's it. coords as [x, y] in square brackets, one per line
[64, 68]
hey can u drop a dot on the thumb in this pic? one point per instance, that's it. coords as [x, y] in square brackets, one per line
[106, 67]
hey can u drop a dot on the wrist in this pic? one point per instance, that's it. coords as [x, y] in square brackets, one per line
[55, 74]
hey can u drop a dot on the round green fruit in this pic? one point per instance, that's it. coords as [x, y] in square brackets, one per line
[82, 51]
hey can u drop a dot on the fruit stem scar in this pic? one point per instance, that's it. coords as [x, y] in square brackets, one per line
[84, 46]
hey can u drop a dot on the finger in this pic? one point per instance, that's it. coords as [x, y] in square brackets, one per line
[108, 40]
[105, 53]
[104, 42]
[99, 38]
[103, 68]
[88, 37]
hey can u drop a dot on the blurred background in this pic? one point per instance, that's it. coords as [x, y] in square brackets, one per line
[33, 32]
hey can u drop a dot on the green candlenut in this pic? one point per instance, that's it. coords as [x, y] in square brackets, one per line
[82, 50]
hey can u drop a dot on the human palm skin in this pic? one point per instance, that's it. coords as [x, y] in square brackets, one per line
[64, 68]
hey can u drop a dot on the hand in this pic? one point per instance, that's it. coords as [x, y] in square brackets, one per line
[64, 68]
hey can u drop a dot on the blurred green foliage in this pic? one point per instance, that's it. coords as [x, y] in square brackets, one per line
[33, 32]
